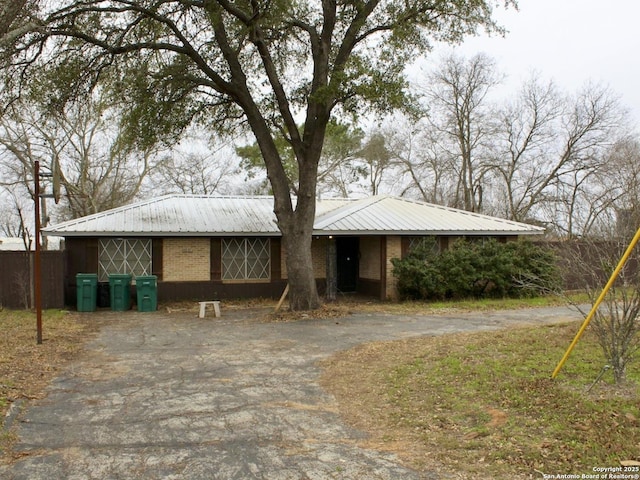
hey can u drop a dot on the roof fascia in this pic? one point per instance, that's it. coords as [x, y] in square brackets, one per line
[419, 233]
[161, 234]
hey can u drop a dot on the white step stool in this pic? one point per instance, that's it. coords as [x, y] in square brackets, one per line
[203, 306]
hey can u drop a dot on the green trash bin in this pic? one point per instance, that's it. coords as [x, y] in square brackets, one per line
[120, 292]
[147, 293]
[87, 291]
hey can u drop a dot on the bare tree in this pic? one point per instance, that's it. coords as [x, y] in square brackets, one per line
[580, 206]
[461, 121]
[424, 169]
[14, 218]
[609, 203]
[616, 322]
[377, 159]
[197, 172]
[550, 150]
[95, 172]
[14, 224]
[620, 177]
[590, 126]
[526, 134]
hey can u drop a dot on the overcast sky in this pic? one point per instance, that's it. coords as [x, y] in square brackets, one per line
[571, 42]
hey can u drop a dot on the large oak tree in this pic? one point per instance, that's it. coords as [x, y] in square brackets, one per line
[267, 65]
[12, 20]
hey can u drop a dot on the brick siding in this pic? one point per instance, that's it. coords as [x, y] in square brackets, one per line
[394, 250]
[186, 259]
[370, 258]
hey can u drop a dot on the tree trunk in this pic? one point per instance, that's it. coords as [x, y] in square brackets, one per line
[296, 225]
[303, 292]
[295, 216]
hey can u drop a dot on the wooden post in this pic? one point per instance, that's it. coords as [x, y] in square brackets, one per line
[282, 297]
[332, 270]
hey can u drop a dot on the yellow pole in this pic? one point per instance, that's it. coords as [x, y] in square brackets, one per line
[597, 303]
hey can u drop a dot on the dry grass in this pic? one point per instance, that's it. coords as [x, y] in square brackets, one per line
[26, 368]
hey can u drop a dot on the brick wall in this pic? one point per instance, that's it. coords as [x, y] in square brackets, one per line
[394, 250]
[319, 253]
[370, 258]
[186, 259]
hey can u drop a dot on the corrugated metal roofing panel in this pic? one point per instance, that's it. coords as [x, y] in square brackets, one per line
[12, 244]
[392, 215]
[178, 215]
[193, 215]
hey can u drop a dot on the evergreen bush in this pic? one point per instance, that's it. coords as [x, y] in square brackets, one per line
[476, 269]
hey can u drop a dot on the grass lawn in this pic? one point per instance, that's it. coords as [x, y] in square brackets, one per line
[483, 405]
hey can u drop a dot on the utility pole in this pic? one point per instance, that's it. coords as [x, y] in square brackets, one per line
[37, 269]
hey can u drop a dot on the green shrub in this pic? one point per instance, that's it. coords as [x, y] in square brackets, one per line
[418, 273]
[487, 269]
[535, 269]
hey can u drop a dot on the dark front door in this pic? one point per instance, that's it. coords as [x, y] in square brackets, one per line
[347, 259]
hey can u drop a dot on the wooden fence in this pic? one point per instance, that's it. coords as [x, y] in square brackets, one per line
[589, 264]
[16, 269]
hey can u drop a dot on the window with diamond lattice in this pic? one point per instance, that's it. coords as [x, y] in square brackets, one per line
[124, 256]
[246, 259]
[430, 243]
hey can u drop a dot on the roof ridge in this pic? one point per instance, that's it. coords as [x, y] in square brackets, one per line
[205, 195]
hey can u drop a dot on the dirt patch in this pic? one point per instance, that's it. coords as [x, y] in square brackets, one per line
[498, 418]
[327, 311]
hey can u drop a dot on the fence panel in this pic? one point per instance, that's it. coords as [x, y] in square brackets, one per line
[15, 279]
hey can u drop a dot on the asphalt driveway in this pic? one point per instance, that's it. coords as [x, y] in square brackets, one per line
[172, 396]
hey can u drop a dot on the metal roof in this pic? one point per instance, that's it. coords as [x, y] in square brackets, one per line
[12, 244]
[178, 215]
[200, 215]
[393, 215]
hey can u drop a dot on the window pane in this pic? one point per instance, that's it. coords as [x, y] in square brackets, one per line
[424, 242]
[110, 258]
[246, 259]
[233, 261]
[124, 256]
[138, 257]
[258, 258]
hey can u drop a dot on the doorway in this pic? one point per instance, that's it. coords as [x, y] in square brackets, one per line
[348, 260]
